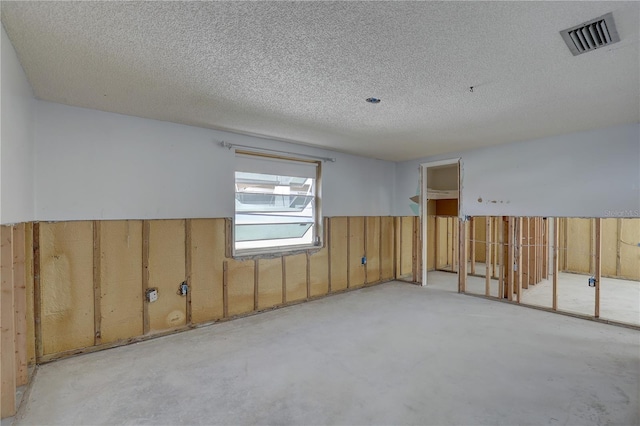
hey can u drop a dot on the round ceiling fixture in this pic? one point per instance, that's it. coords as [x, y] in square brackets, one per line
[373, 100]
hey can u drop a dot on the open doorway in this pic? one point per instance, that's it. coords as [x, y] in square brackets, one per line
[440, 203]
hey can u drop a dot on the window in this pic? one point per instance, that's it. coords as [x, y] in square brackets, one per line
[275, 204]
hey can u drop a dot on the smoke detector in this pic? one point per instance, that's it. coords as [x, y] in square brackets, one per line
[591, 35]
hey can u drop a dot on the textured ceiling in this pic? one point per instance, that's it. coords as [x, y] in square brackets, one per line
[301, 71]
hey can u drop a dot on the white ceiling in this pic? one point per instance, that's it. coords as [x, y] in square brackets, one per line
[301, 71]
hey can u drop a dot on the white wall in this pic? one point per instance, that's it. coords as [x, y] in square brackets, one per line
[97, 165]
[587, 174]
[16, 138]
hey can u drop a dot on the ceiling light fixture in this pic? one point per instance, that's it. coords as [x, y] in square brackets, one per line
[373, 100]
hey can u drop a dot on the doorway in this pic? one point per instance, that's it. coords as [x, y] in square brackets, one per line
[440, 197]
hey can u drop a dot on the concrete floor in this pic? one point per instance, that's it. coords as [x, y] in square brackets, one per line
[390, 354]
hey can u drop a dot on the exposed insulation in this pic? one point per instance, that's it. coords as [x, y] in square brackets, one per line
[296, 277]
[373, 249]
[338, 251]
[356, 252]
[31, 331]
[630, 249]
[66, 280]
[578, 249]
[269, 282]
[166, 273]
[207, 257]
[319, 273]
[240, 286]
[387, 241]
[406, 247]
[121, 304]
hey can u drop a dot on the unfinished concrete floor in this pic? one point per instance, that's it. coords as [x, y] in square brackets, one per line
[390, 354]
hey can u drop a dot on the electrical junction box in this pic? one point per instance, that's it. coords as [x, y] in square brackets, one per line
[152, 294]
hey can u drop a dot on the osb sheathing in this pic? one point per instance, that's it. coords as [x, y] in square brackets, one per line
[173, 251]
[66, 280]
[406, 247]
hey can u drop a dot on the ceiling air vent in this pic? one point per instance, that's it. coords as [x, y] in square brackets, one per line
[592, 35]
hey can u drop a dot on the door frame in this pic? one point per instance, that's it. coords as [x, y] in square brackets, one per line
[423, 203]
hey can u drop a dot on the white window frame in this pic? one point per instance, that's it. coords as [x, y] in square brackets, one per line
[318, 232]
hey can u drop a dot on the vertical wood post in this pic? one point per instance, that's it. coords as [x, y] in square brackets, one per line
[472, 246]
[462, 254]
[488, 248]
[511, 258]
[146, 229]
[556, 240]
[598, 263]
[519, 258]
[97, 285]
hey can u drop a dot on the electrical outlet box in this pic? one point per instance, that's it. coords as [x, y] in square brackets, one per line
[152, 295]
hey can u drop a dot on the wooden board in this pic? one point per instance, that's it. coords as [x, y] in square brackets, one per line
[66, 282]
[31, 330]
[356, 252]
[207, 257]
[240, 287]
[386, 247]
[406, 247]
[447, 207]
[121, 303]
[372, 249]
[630, 249]
[7, 333]
[166, 273]
[269, 282]
[338, 251]
[296, 277]
[20, 303]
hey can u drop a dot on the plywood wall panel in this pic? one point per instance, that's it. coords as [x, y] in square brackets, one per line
[338, 248]
[373, 249]
[630, 249]
[66, 280]
[121, 304]
[31, 331]
[207, 259]
[387, 242]
[296, 277]
[240, 286]
[269, 282]
[356, 252]
[166, 273]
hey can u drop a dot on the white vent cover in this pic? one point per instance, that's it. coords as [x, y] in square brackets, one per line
[591, 35]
